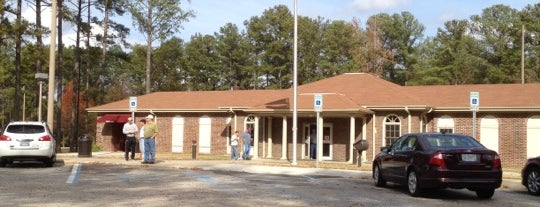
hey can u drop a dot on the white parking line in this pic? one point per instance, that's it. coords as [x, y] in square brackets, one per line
[74, 174]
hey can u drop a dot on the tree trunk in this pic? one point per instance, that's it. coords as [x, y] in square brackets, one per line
[18, 37]
[148, 46]
[76, 78]
[103, 63]
[39, 49]
[59, 75]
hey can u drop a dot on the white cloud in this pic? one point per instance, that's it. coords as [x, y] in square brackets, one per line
[366, 5]
[68, 29]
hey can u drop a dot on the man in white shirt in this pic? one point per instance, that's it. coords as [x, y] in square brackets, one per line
[130, 129]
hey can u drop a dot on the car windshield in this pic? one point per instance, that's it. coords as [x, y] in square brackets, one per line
[451, 141]
[25, 129]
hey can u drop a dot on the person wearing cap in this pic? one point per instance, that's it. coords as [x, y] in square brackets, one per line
[150, 133]
[130, 129]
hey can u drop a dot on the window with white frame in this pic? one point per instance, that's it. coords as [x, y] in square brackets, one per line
[445, 124]
[392, 129]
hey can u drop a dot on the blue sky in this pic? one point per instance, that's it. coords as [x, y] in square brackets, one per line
[213, 14]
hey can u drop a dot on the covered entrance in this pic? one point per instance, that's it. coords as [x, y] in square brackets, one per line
[113, 125]
[326, 137]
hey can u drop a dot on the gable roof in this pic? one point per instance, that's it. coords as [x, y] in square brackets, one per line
[364, 89]
[350, 92]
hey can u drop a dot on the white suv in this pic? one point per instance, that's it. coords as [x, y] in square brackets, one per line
[25, 141]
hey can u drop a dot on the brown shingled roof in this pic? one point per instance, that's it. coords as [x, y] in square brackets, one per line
[363, 89]
[352, 92]
[490, 95]
[193, 100]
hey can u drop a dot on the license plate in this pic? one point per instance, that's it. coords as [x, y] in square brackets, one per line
[25, 144]
[469, 157]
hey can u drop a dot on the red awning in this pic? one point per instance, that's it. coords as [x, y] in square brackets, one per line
[114, 118]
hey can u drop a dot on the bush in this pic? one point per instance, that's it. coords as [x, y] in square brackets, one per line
[95, 148]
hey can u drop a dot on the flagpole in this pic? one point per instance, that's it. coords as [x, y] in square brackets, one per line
[295, 82]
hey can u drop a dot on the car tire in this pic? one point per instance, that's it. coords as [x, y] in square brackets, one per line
[533, 181]
[377, 177]
[412, 184]
[51, 161]
[2, 163]
[485, 193]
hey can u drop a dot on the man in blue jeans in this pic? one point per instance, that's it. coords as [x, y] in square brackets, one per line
[247, 143]
[150, 134]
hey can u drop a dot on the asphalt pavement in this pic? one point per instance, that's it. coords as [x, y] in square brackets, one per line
[261, 166]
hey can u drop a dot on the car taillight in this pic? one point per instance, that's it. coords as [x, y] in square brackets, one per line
[5, 138]
[438, 160]
[45, 138]
[496, 162]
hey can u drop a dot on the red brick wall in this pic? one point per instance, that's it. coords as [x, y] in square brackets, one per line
[512, 132]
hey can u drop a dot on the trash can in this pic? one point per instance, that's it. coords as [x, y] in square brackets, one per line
[85, 146]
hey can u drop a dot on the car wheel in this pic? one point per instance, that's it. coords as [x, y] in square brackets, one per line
[377, 178]
[485, 193]
[533, 181]
[2, 163]
[412, 184]
[51, 161]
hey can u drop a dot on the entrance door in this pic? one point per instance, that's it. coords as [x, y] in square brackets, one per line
[327, 141]
[305, 139]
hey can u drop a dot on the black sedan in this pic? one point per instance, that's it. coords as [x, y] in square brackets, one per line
[530, 175]
[435, 160]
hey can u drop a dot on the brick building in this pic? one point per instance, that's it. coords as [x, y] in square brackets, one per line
[356, 106]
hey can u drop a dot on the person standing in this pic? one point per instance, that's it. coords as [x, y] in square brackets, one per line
[313, 144]
[141, 138]
[234, 146]
[247, 143]
[150, 134]
[130, 129]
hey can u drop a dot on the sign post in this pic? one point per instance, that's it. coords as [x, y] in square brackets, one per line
[133, 106]
[475, 104]
[317, 106]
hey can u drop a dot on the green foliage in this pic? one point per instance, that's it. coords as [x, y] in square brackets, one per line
[157, 20]
[483, 49]
[96, 148]
[271, 38]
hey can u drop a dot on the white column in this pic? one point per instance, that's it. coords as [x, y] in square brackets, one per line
[374, 134]
[269, 130]
[256, 138]
[284, 139]
[364, 137]
[351, 137]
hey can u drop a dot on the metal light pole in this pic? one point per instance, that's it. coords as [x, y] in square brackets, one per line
[40, 77]
[24, 103]
[522, 54]
[52, 64]
[295, 82]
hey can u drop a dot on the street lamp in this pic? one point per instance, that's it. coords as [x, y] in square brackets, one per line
[40, 77]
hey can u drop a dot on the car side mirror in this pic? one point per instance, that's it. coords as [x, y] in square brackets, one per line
[384, 149]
